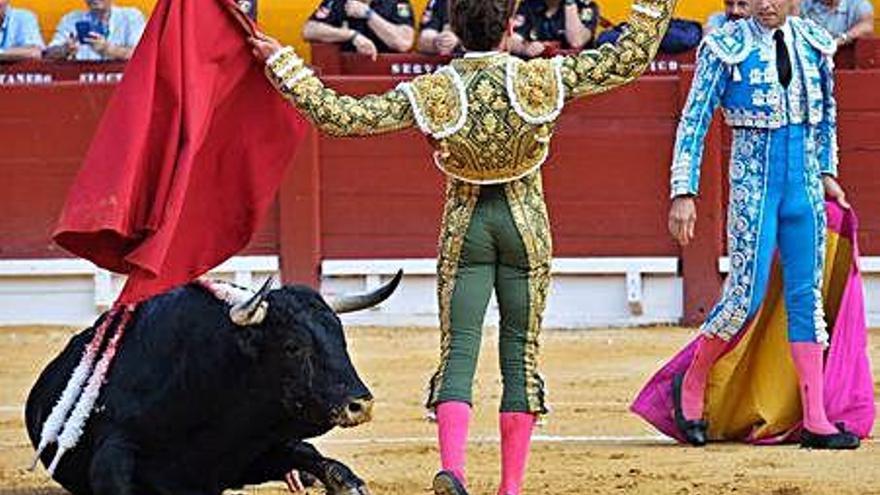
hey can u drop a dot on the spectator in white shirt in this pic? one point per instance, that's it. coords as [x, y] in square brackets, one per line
[846, 20]
[20, 37]
[103, 32]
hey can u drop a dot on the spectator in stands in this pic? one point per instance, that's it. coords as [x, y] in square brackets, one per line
[368, 27]
[102, 32]
[734, 10]
[437, 37]
[846, 20]
[20, 37]
[542, 25]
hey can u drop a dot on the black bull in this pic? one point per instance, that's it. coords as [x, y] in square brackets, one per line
[195, 403]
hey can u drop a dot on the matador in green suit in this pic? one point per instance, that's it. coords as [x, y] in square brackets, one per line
[490, 118]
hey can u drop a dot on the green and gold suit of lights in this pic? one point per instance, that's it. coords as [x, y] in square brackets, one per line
[490, 118]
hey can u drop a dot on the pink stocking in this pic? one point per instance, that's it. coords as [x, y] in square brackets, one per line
[808, 362]
[453, 420]
[693, 389]
[516, 435]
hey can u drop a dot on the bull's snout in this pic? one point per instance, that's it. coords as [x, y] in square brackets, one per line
[355, 412]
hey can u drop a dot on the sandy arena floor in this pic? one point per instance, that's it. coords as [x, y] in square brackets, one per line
[590, 444]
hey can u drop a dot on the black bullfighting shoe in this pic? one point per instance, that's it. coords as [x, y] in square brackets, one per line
[843, 440]
[445, 483]
[694, 430]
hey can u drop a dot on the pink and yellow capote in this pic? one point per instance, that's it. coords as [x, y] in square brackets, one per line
[752, 393]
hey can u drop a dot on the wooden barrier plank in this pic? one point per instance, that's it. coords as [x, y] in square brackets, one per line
[395, 174]
[859, 119]
[300, 216]
[46, 132]
[42, 148]
[380, 195]
[606, 181]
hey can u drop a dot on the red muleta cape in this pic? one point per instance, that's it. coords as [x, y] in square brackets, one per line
[188, 156]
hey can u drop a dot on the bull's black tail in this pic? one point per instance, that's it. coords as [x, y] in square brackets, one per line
[62, 425]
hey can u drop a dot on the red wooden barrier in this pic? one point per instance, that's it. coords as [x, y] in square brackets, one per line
[332, 62]
[607, 180]
[45, 132]
[299, 227]
[859, 135]
[383, 195]
[32, 73]
[864, 54]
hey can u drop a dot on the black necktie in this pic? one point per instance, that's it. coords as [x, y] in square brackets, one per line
[783, 63]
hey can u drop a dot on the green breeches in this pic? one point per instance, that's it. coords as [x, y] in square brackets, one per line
[492, 255]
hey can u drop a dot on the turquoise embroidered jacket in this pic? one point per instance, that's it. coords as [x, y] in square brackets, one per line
[736, 69]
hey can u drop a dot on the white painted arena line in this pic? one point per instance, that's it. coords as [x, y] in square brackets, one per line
[587, 439]
[549, 439]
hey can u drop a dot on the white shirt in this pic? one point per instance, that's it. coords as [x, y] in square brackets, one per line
[838, 20]
[794, 93]
[124, 28]
[19, 28]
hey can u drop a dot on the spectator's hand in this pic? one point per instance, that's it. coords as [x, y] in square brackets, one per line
[446, 42]
[99, 43]
[71, 46]
[263, 46]
[682, 219]
[356, 9]
[834, 191]
[365, 46]
[534, 49]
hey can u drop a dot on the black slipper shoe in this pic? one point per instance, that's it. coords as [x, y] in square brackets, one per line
[445, 483]
[843, 440]
[694, 430]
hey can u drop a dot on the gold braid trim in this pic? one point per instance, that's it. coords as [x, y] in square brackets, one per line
[282, 66]
[461, 200]
[332, 113]
[439, 102]
[525, 198]
[535, 89]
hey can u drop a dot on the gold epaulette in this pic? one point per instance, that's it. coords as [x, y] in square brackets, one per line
[439, 102]
[535, 88]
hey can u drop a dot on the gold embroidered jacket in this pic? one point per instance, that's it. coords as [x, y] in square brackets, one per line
[490, 117]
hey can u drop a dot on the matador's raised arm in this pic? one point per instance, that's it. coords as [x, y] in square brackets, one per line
[597, 70]
[332, 113]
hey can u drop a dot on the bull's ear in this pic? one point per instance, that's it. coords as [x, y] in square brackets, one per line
[254, 310]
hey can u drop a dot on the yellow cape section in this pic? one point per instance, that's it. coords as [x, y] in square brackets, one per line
[753, 390]
[284, 18]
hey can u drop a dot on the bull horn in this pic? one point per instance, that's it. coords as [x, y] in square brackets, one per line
[347, 303]
[254, 310]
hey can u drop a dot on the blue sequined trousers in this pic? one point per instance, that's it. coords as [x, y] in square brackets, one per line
[776, 206]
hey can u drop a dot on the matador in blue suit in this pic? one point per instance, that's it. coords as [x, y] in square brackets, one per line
[772, 75]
